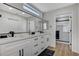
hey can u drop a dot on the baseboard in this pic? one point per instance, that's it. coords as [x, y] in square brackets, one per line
[75, 53]
[63, 42]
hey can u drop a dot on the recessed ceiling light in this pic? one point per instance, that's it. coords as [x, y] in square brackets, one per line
[10, 8]
[23, 13]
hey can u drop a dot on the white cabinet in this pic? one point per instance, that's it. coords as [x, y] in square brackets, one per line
[26, 47]
[42, 43]
[47, 40]
[19, 48]
[34, 46]
[9, 51]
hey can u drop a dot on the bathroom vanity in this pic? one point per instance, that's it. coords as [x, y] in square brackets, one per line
[27, 45]
[26, 36]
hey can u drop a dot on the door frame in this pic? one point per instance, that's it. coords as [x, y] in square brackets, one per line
[62, 15]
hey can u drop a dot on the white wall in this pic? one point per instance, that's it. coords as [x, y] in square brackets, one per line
[78, 27]
[75, 28]
[52, 26]
[12, 22]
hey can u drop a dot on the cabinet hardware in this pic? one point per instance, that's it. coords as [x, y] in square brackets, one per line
[22, 52]
[36, 39]
[42, 48]
[19, 52]
[35, 45]
[47, 39]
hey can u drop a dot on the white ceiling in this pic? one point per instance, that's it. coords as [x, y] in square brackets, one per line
[12, 10]
[45, 7]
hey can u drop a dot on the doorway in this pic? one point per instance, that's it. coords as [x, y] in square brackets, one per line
[64, 30]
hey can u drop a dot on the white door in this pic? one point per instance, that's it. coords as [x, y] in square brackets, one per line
[27, 48]
[10, 50]
[64, 27]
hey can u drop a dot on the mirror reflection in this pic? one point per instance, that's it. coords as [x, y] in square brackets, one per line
[13, 19]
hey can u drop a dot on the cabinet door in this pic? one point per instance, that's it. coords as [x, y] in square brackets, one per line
[47, 40]
[26, 48]
[12, 49]
[41, 43]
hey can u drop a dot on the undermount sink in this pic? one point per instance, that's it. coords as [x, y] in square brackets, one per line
[33, 33]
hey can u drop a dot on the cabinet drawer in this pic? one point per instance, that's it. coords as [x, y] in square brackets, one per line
[35, 40]
[36, 45]
[34, 51]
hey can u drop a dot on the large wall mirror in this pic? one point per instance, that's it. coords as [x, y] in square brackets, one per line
[14, 18]
[35, 24]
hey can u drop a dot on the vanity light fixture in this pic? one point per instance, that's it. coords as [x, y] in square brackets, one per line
[31, 9]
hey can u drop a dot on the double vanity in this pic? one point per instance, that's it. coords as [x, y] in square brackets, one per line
[24, 44]
[18, 25]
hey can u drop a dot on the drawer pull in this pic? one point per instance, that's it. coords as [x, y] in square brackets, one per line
[47, 39]
[22, 52]
[35, 45]
[36, 53]
[36, 39]
[19, 52]
[42, 48]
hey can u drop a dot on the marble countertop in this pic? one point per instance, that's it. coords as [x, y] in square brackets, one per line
[19, 37]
